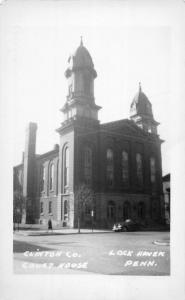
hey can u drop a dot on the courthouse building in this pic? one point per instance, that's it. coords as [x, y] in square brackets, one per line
[120, 161]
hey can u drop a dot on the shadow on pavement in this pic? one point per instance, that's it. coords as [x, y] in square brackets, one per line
[19, 247]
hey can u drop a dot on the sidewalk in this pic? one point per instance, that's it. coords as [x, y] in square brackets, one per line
[62, 231]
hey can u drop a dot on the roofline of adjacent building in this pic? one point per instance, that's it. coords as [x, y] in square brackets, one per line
[166, 177]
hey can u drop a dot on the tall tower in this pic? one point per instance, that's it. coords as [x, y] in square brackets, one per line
[29, 172]
[141, 112]
[80, 75]
[80, 120]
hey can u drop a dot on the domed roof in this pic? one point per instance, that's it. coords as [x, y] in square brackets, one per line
[141, 105]
[81, 58]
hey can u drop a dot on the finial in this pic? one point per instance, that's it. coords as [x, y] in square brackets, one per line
[140, 87]
[81, 40]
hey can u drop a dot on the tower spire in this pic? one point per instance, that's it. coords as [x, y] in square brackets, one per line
[81, 40]
[140, 87]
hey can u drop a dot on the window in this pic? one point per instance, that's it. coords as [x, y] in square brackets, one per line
[87, 84]
[87, 209]
[141, 210]
[110, 168]
[139, 169]
[41, 207]
[111, 210]
[65, 210]
[70, 89]
[20, 177]
[43, 178]
[152, 170]
[50, 207]
[88, 165]
[126, 211]
[125, 171]
[149, 129]
[51, 176]
[57, 178]
[66, 166]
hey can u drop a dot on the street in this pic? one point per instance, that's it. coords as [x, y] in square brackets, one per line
[108, 253]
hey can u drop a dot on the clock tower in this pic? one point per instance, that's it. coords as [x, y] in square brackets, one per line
[77, 130]
[80, 74]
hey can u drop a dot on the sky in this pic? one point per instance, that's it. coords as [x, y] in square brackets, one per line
[126, 48]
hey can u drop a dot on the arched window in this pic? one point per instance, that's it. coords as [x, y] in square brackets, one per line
[57, 177]
[139, 169]
[152, 170]
[126, 210]
[65, 210]
[87, 84]
[50, 207]
[125, 168]
[141, 210]
[41, 207]
[51, 176]
[66, 167]
[111, 210]
[43, 178]
[88, 165]
[110, 167]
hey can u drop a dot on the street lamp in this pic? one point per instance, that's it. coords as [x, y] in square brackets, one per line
[92, 215]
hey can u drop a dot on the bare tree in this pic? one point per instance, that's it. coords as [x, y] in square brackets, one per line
[18, 200]
[83, 196]
[18, 206]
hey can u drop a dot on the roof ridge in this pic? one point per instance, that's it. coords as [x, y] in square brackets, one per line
[117, 121]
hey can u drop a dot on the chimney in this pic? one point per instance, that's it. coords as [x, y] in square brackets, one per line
[29, 166]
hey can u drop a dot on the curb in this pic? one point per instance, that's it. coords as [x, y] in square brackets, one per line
[162, 243]
[57, 232]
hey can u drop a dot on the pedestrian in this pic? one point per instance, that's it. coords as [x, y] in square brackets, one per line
[50, 225]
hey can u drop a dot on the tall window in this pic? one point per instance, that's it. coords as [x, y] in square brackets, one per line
[66, 166]
[141, 210]
[152, 170]
[65, 210]
[51, 177]
[57, 177]
[139, 169]
[110, 167]
[41, 208]
[88, 165]
[87, 85]
[125, 171]
[43, 178]
[111, 210]
[126, 210]
[50, 207]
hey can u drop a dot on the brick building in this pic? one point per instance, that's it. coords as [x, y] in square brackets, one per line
[120, 161]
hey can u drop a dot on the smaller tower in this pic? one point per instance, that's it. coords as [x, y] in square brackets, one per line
[141, 112]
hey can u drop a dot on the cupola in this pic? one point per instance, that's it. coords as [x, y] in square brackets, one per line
[141, 112]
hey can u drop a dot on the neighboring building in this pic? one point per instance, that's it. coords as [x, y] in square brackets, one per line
[120, 160]
[166, 191]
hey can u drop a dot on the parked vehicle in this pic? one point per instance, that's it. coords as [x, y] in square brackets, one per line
[127, 225]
